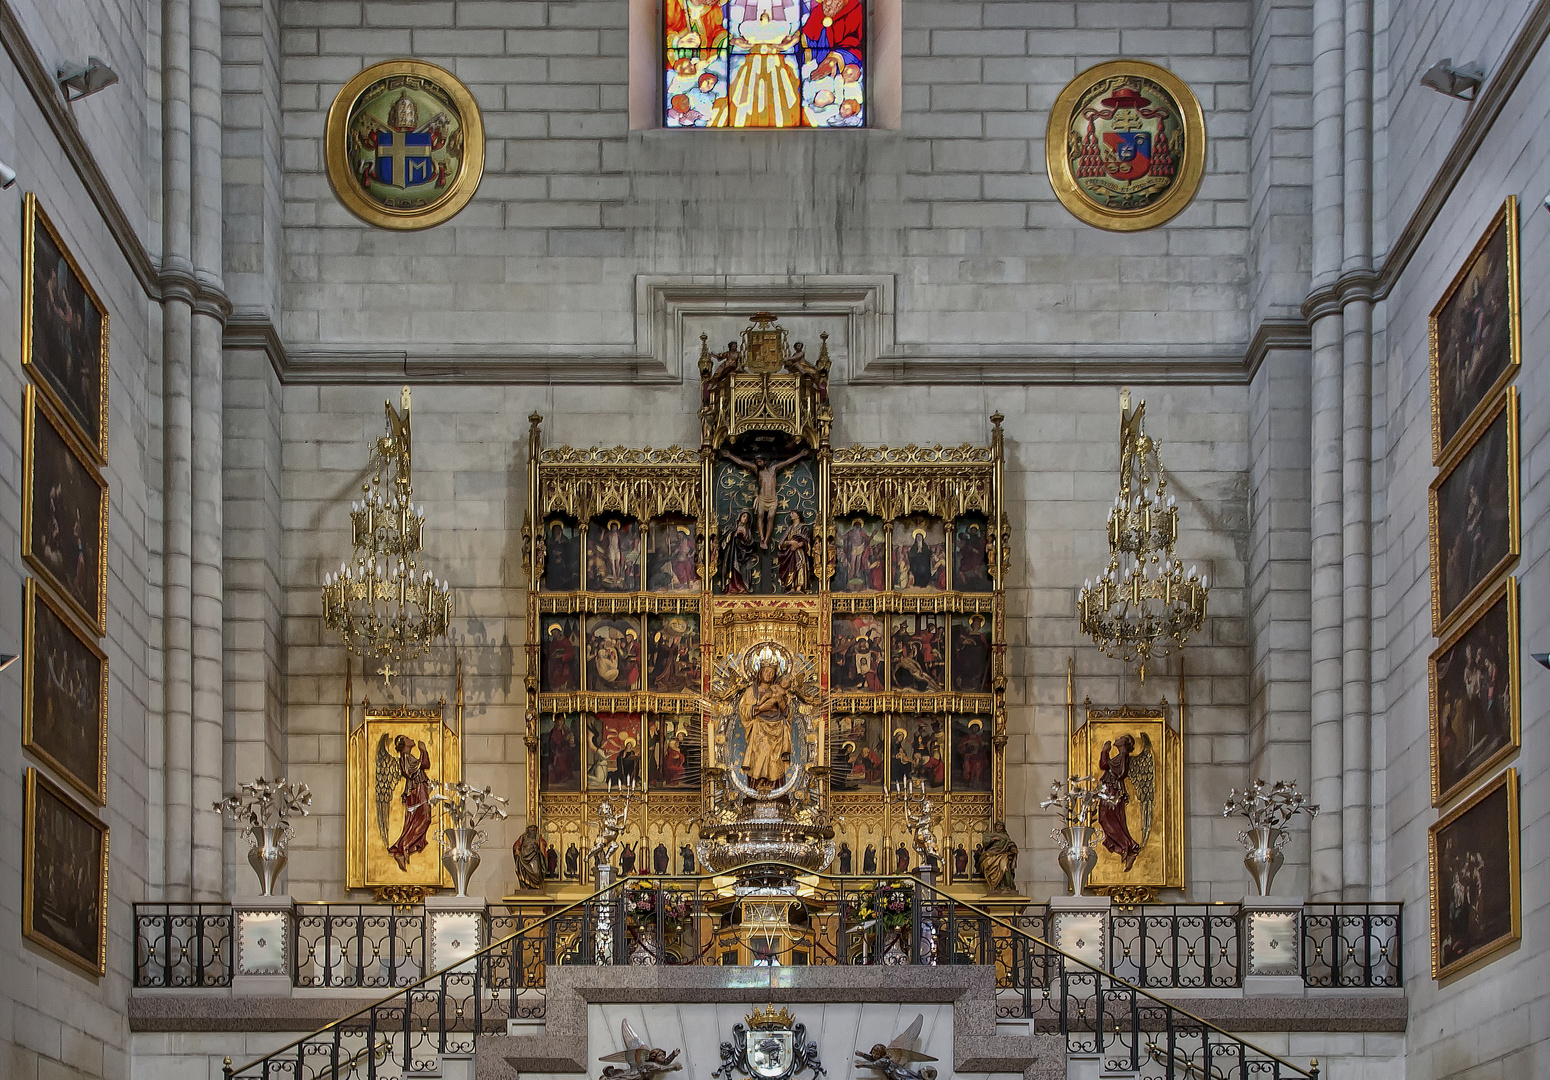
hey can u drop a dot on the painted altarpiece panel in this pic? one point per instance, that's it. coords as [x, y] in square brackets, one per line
[1136, 752]
[396, 753]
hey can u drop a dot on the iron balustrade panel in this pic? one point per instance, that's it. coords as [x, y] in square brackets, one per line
[349, 946]
[1352, 945]
[183, 946]
[1175, 946]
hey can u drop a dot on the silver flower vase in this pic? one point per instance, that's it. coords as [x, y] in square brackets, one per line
[266, 854]
[459, 857]
[1078, 857]
[1262, 855]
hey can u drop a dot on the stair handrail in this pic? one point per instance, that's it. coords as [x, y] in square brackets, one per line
[1312, 1072]
[797, 873]
[405, 990]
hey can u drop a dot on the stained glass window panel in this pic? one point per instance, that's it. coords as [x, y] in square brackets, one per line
[764, 63]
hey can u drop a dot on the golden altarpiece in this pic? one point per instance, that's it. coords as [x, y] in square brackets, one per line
[874, 575]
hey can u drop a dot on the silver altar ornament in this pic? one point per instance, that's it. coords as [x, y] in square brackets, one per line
[1079, 798]
[468, 808]
[1268, 807]
[264, 808]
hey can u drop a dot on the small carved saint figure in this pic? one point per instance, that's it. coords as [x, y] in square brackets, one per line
[767, 500]
[894, 1061]
[998, 859]
[627, 860]
[794, 557]
[901, 859]
[739, 564]
[528, 852]
[572, 861]
[1118, 762]
[765, 710]
[659, 858]
[960, 862]
[410, 762]
[686, 858]
[869, 860]
[844, 857]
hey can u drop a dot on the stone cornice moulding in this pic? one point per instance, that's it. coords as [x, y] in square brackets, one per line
[663, 349]
[1272, 334]
[159, 283]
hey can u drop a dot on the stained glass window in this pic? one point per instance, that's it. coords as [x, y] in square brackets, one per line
[765, 63]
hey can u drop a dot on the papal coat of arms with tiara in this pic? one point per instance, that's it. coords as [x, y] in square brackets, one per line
[405, 145]
[1126, 145]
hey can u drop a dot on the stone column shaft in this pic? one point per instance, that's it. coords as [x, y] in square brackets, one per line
[1356, 524]
[206, 487]
[177, 453]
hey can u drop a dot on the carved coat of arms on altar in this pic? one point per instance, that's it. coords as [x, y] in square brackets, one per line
[770, 1045]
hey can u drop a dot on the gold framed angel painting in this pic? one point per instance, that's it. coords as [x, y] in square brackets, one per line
[398, 755]
[1136, 754]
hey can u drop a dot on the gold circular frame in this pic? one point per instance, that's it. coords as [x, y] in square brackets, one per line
[1058, 163]
[461, 188]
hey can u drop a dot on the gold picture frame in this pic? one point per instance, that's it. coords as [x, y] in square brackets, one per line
[81, 398]
[381, 793]
[57, 512]
[351, 120]
[1458, 495]
[1490, 632]
[1127, 108]
[59, 896]
[1154, 813]
[48, 684]
[1492, 272]
[1458, 862]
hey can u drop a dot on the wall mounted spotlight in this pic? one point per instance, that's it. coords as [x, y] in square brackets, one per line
[1459, 82]
[78, 82]
[1541, 658]
[7, 175]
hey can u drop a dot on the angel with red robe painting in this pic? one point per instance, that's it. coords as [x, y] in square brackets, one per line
[1119, 762]
[409, 761]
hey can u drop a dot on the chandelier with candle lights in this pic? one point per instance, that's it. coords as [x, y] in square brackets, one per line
[1144, 604]
[386, 607]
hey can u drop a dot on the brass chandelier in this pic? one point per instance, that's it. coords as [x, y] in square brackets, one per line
[1144, 604]
[387, 609]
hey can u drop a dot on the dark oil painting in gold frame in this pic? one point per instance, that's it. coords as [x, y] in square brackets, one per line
[64, 330]
[1475, 332]
[64, 513]
[1473, 514]
[64, 696]
[1475, 893]
[1473, 684]
[64, 877]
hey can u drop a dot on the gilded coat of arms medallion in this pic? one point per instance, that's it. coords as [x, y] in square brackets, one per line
[405, 145]
[1126, 145]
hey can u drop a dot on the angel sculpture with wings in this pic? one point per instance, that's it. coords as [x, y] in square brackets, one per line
[1118, 762]
[642, 1062]
[894, 1061]
[409, 761]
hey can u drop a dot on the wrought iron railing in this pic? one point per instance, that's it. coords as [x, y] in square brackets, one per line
[797, 919]
[183, 945]
[1352, 945]
[358, 945]
[1168, 946]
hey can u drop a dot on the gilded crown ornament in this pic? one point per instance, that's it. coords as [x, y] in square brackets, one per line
[1144, 604]
[769, 1016]
[386, 607]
